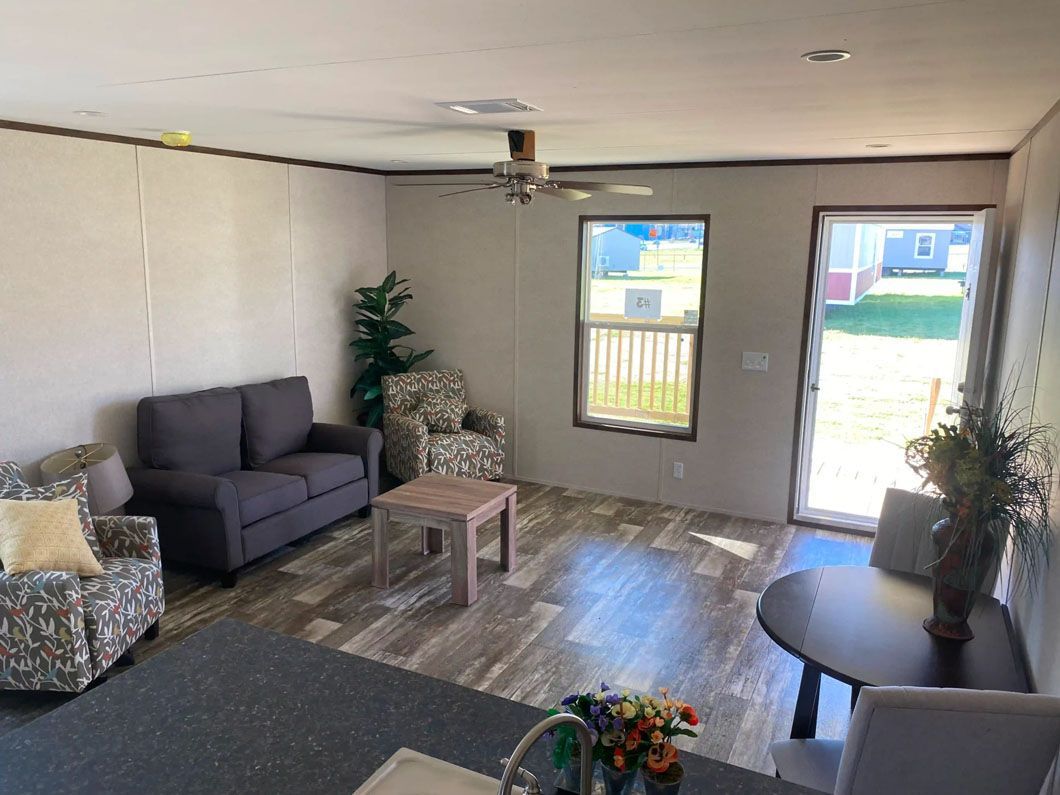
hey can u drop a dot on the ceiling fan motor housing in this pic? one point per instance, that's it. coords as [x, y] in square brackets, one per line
[525, 169]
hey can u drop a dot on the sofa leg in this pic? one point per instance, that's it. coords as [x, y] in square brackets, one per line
[152, 632]
[228, 579]
[364, 512]
[126, 659]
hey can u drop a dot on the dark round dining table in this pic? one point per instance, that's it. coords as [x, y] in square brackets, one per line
[863, 626]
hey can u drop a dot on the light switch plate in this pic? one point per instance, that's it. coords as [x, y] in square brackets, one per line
[679, 470]
[758, 362]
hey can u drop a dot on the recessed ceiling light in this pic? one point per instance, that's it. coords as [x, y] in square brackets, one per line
[92, 113]
[876, 146]
[825, 56]
[400, 162]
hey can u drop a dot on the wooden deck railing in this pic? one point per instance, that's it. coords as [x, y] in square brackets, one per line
[638, 371]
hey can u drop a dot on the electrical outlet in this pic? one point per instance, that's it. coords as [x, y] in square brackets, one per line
[759, 362]
[679, 470]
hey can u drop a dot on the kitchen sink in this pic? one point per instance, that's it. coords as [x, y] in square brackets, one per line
[409, 772]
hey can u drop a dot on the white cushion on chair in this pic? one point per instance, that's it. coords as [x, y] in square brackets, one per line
[811, 763]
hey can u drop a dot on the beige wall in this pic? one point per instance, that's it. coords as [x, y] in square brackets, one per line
[1031, 306]
[130, 271]
[496, 290]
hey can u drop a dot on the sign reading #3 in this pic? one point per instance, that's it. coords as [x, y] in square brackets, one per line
[644, 304]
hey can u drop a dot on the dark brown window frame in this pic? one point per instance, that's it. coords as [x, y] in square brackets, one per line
[603, 425]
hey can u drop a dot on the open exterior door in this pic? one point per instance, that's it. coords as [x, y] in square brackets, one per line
[976, 315]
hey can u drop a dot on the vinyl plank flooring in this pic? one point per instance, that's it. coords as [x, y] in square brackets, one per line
[607, 588]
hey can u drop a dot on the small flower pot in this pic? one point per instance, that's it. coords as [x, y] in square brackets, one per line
[666, 784]
[618, 782]
[957, 576]
[569, 778]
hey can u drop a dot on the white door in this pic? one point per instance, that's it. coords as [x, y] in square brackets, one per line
[887, 356]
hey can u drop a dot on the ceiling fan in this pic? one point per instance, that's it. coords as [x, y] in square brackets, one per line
[523, 176]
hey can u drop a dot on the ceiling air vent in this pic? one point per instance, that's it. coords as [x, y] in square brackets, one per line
[474, 106]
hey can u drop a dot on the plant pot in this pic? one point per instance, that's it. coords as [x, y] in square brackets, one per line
[957, 575]
[668, 783]
[618, 782]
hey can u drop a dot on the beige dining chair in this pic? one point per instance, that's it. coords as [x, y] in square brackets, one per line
[933, 740]
[903, 537]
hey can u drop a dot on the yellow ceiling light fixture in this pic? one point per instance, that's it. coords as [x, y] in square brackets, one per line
[177, 138]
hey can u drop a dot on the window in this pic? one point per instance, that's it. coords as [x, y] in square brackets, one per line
[925, 245]
[641, 291]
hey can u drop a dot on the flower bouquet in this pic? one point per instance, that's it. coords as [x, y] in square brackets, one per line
[630, 733]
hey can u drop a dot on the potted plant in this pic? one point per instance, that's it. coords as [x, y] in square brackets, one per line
[994, 476]
[663, 720]
[378, 330]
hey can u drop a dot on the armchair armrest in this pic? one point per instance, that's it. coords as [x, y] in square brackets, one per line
[351, 439]
[488, 423]
[185, 489]
[42, 636]
[406, 446]
[128, 537]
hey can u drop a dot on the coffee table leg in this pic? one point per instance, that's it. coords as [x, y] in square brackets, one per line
[508, 525]
[804, 724]
[465, 562]
[380, 553]
[435, 539]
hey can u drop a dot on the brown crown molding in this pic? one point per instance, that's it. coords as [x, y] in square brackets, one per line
[69, 132]
[1048, 117]
[814, 161]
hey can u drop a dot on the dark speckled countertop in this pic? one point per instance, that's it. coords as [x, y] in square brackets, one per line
[240, 709]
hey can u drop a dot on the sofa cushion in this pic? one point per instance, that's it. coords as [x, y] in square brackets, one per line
[440, 414]
[73, 488]
[321, 471]
[277, 417]
[262, 494]
[403, 392]
[119, 606]
[196, 432]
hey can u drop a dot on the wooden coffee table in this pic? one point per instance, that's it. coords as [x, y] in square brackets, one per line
[442, 502]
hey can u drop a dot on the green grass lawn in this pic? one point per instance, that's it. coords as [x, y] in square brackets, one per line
[936, 317]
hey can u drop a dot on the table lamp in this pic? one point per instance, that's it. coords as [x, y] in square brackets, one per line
[108, 484]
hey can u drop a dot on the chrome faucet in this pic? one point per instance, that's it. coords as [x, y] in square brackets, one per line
[512, 768]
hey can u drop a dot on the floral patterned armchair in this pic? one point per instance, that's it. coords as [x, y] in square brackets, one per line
[59, 631]
[476, 450]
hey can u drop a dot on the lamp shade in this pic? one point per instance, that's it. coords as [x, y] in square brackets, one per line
[108, 483]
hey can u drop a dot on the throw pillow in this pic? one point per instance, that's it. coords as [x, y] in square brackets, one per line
[74, 489]
[440, 414]
[44, 535]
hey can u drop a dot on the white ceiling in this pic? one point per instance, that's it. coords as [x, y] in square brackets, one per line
[619, 81]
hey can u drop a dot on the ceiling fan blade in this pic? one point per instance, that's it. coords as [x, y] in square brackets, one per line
[440, 184]
[564, 193]
[606, 187]
[469, 190]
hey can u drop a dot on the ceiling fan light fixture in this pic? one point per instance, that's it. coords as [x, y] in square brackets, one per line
[826, 56]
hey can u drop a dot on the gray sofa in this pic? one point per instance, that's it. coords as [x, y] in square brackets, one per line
[233, 474]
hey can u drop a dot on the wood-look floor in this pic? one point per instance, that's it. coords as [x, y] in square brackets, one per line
[635, 593]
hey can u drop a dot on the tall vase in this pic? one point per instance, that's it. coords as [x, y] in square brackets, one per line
[957, 575]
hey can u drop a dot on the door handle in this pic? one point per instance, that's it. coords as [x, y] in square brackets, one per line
[953, 409]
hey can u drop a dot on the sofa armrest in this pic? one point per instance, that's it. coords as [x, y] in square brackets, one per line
[42, 635]
[406, 446]
[128, 537]
[327, 437]
[186, 489]
[488, 423]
